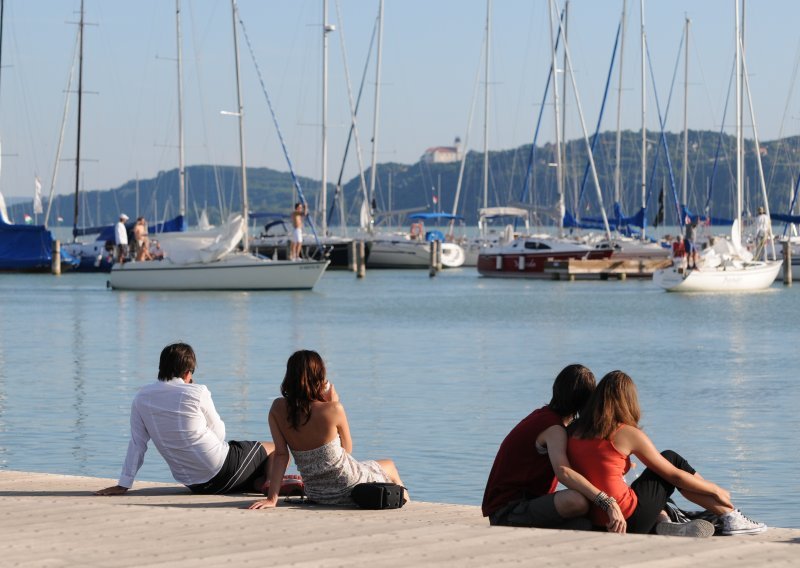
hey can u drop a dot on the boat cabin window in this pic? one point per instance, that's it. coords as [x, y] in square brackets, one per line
[536, 245]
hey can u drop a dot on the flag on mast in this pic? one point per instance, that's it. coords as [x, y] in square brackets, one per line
[37, 196]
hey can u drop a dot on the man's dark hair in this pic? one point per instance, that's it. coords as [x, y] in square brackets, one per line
[176, 360]
[571, 389]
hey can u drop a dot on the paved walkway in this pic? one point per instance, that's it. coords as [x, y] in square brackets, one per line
[54, 520]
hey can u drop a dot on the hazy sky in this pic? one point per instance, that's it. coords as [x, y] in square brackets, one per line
[432, 54]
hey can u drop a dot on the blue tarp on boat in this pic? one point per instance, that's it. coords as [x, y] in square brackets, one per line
[25, 247]
[435, 217]
[176, 225]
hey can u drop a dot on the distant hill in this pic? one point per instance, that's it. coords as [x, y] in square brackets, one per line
[414, 186]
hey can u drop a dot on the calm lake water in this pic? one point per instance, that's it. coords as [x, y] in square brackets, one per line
[433, 372]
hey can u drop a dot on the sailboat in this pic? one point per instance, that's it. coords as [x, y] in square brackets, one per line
[23, 248]
[97, 255]
[275, 239]
[726, 266]
[410, 249]
[211, 260]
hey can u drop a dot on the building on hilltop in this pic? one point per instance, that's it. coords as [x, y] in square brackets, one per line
[443, 154]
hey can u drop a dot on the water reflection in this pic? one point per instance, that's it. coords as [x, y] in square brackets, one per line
[79, 446]
[433, 372]
[3, 396]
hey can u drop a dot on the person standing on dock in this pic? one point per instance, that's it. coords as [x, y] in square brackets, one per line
[763, 233]
[689, 243]
[121, 238]
[179, 416]
[532, 460]
[298, 217]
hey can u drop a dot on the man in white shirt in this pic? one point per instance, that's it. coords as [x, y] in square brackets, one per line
[179, 416]
[121, 238]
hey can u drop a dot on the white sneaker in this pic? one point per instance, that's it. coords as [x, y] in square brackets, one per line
[697, 528]
[736, 523]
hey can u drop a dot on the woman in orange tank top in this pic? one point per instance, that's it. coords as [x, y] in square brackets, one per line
[603, 439]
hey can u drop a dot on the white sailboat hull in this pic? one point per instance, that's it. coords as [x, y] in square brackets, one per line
[402, 253]
[236, 271]
[749, 277]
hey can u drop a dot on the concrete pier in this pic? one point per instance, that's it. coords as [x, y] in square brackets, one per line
[54, 520]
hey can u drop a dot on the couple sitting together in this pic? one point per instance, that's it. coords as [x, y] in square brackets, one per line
[584, 438]
[308, 420]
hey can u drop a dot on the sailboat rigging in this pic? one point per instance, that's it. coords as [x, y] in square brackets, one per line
[726, 266]
[209, 260]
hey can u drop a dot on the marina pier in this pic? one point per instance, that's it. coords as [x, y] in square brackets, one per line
[55, 520]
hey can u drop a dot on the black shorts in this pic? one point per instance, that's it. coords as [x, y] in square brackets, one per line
[538, 512]
[244, 463]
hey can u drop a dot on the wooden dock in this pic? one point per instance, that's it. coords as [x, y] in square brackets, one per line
[54, 520]
[577, 269]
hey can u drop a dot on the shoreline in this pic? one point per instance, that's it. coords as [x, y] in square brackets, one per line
[54, 520]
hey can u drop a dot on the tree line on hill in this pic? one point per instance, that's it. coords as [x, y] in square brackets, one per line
[431, 187]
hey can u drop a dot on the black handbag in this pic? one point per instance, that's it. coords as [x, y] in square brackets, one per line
[378, 495]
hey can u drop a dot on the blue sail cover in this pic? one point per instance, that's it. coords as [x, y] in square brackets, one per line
[702, 219]
[781, 218]
[25, 247]
[435, 217]
[176, 225]
[619, 222]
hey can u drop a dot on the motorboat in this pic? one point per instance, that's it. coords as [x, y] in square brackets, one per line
[525, 257]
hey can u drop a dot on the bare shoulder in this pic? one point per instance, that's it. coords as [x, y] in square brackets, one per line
[629, 438]
[278, 407]
[333, 407]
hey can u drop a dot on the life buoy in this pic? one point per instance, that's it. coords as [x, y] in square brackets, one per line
[416, 230]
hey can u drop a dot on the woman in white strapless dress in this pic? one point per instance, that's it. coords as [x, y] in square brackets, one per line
[310, 422]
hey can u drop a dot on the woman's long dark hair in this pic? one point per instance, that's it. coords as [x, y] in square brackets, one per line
[614, 402]
[303, 384]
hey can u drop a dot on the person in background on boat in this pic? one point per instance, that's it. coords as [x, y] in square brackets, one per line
[180, 417]
[141, 239]
[602, 441]
[679, 253]
[690, 244]
[156, 252]
[763, 233]
[521, 490]
[309, 421]
[121, 238]
[298, 217]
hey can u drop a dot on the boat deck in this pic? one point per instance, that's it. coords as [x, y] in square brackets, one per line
[603, 269]
[54, 520]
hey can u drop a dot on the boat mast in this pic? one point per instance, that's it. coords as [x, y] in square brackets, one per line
[565, 162]
[326, 28]
[556, 109]
[181, 165]
[373, 172]
[738, 118]
[592, 165]
[2, 12]
[240, 113]
[78, 143]
[486, 105]
[685, 192]
[644, 113]
[617, 167]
